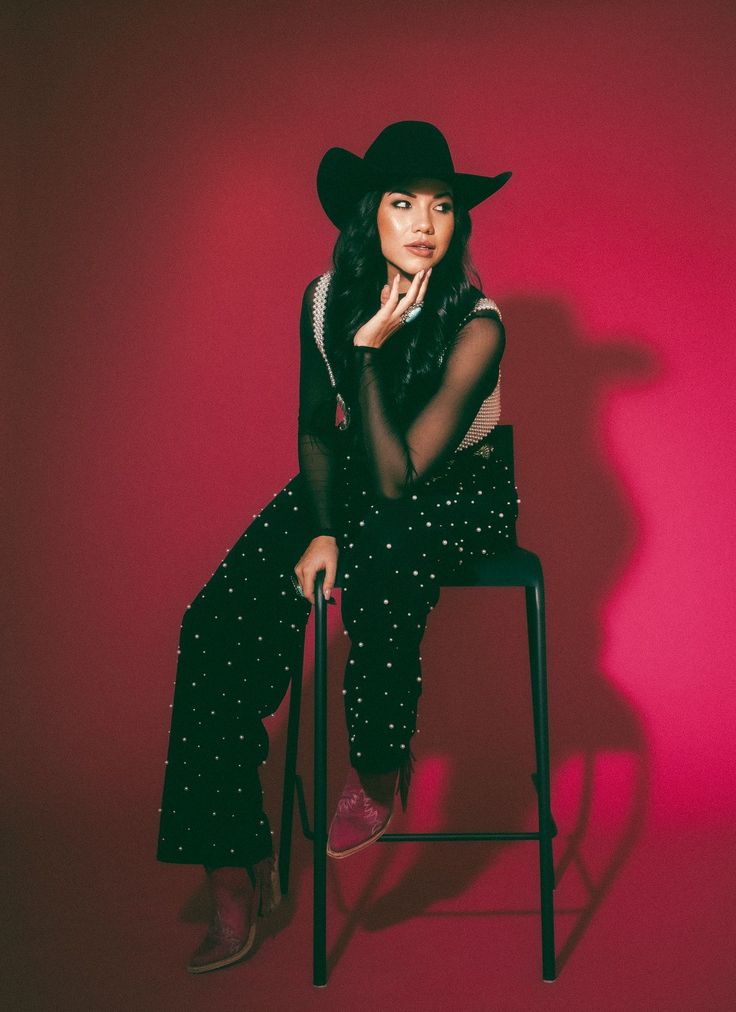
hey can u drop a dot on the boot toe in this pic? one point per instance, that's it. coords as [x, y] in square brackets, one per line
[352, 830]
[220, 948]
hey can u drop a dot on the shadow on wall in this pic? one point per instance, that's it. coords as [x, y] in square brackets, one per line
[475, 747]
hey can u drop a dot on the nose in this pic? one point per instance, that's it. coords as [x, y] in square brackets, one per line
[423, 224]
[423, 219]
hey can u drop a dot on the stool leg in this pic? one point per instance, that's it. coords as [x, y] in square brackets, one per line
[287, 799]
[536, 629]
[319, 955]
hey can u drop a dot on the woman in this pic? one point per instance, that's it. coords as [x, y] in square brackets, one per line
[399, 386]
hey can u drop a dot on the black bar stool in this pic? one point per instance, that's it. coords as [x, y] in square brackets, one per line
[518, 568]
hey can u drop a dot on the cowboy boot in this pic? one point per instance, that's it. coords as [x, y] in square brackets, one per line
[365, 808]
[238, 895]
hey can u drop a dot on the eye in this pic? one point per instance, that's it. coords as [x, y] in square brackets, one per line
[447, 208]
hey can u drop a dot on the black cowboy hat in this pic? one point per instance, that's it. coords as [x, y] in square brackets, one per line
[403, 150]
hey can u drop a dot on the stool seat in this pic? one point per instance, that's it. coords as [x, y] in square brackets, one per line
[520, 568]
[517, 568]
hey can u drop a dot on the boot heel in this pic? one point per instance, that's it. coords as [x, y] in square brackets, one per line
[404, 779]
[270, 888]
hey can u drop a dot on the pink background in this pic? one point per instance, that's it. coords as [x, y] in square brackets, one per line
[166, 224]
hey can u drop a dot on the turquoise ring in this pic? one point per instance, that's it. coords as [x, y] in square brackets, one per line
[411, 313]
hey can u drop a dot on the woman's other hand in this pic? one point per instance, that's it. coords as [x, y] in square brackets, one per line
[388, 318]
[322, 553]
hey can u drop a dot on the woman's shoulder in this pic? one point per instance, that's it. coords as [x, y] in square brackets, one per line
[477, 303]
[474, 305]
[321, 280]
[316, 289]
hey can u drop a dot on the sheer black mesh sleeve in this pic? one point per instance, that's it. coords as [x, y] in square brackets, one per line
[316, 427]
[400, 460]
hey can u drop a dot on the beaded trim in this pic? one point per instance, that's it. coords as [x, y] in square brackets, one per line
[487, 418]
[318, 315]
[482, 303]
[490, 410]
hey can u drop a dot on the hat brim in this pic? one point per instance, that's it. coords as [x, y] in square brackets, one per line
[472, 189]
[342, 178]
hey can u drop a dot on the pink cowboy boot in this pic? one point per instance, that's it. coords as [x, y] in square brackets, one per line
[365, 808]
[236, 902]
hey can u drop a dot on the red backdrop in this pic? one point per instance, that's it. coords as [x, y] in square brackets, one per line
[167, 223]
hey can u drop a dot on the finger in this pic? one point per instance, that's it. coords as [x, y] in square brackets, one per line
[418, 295]
[393, 295]
[330, 573]
[324, 583]
[422, 283]
[308, 587]
[410, 296]
[416, 283]
[385, 292]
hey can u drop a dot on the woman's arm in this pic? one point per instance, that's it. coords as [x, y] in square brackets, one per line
[401, 460]
[316, 432]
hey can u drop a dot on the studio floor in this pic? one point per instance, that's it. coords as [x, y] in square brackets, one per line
[644, 916]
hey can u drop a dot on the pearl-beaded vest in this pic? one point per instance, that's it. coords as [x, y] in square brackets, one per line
[490, 410]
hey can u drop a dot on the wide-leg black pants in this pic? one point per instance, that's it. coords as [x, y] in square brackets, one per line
[242, 637]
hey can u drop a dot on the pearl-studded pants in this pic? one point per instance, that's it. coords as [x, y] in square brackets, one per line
[242, 637]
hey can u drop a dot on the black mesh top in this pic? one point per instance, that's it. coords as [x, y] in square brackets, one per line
[398, 460]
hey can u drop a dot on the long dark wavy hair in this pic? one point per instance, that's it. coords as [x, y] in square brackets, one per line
[411, 360]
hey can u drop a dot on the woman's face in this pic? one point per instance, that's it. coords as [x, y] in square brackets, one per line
[421, 212]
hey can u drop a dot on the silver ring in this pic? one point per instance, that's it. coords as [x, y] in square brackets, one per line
[415, 310]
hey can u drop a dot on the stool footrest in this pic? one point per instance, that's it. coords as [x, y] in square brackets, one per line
[308, 832]
[398, 837]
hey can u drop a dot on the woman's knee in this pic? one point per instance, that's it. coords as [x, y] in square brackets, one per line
[198, 605]
[391, 540]
[286, 513]
[383, 580]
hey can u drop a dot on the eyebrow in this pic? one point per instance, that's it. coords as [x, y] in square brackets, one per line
[406, 193]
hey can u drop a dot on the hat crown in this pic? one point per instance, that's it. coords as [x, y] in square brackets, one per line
[411, 148]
